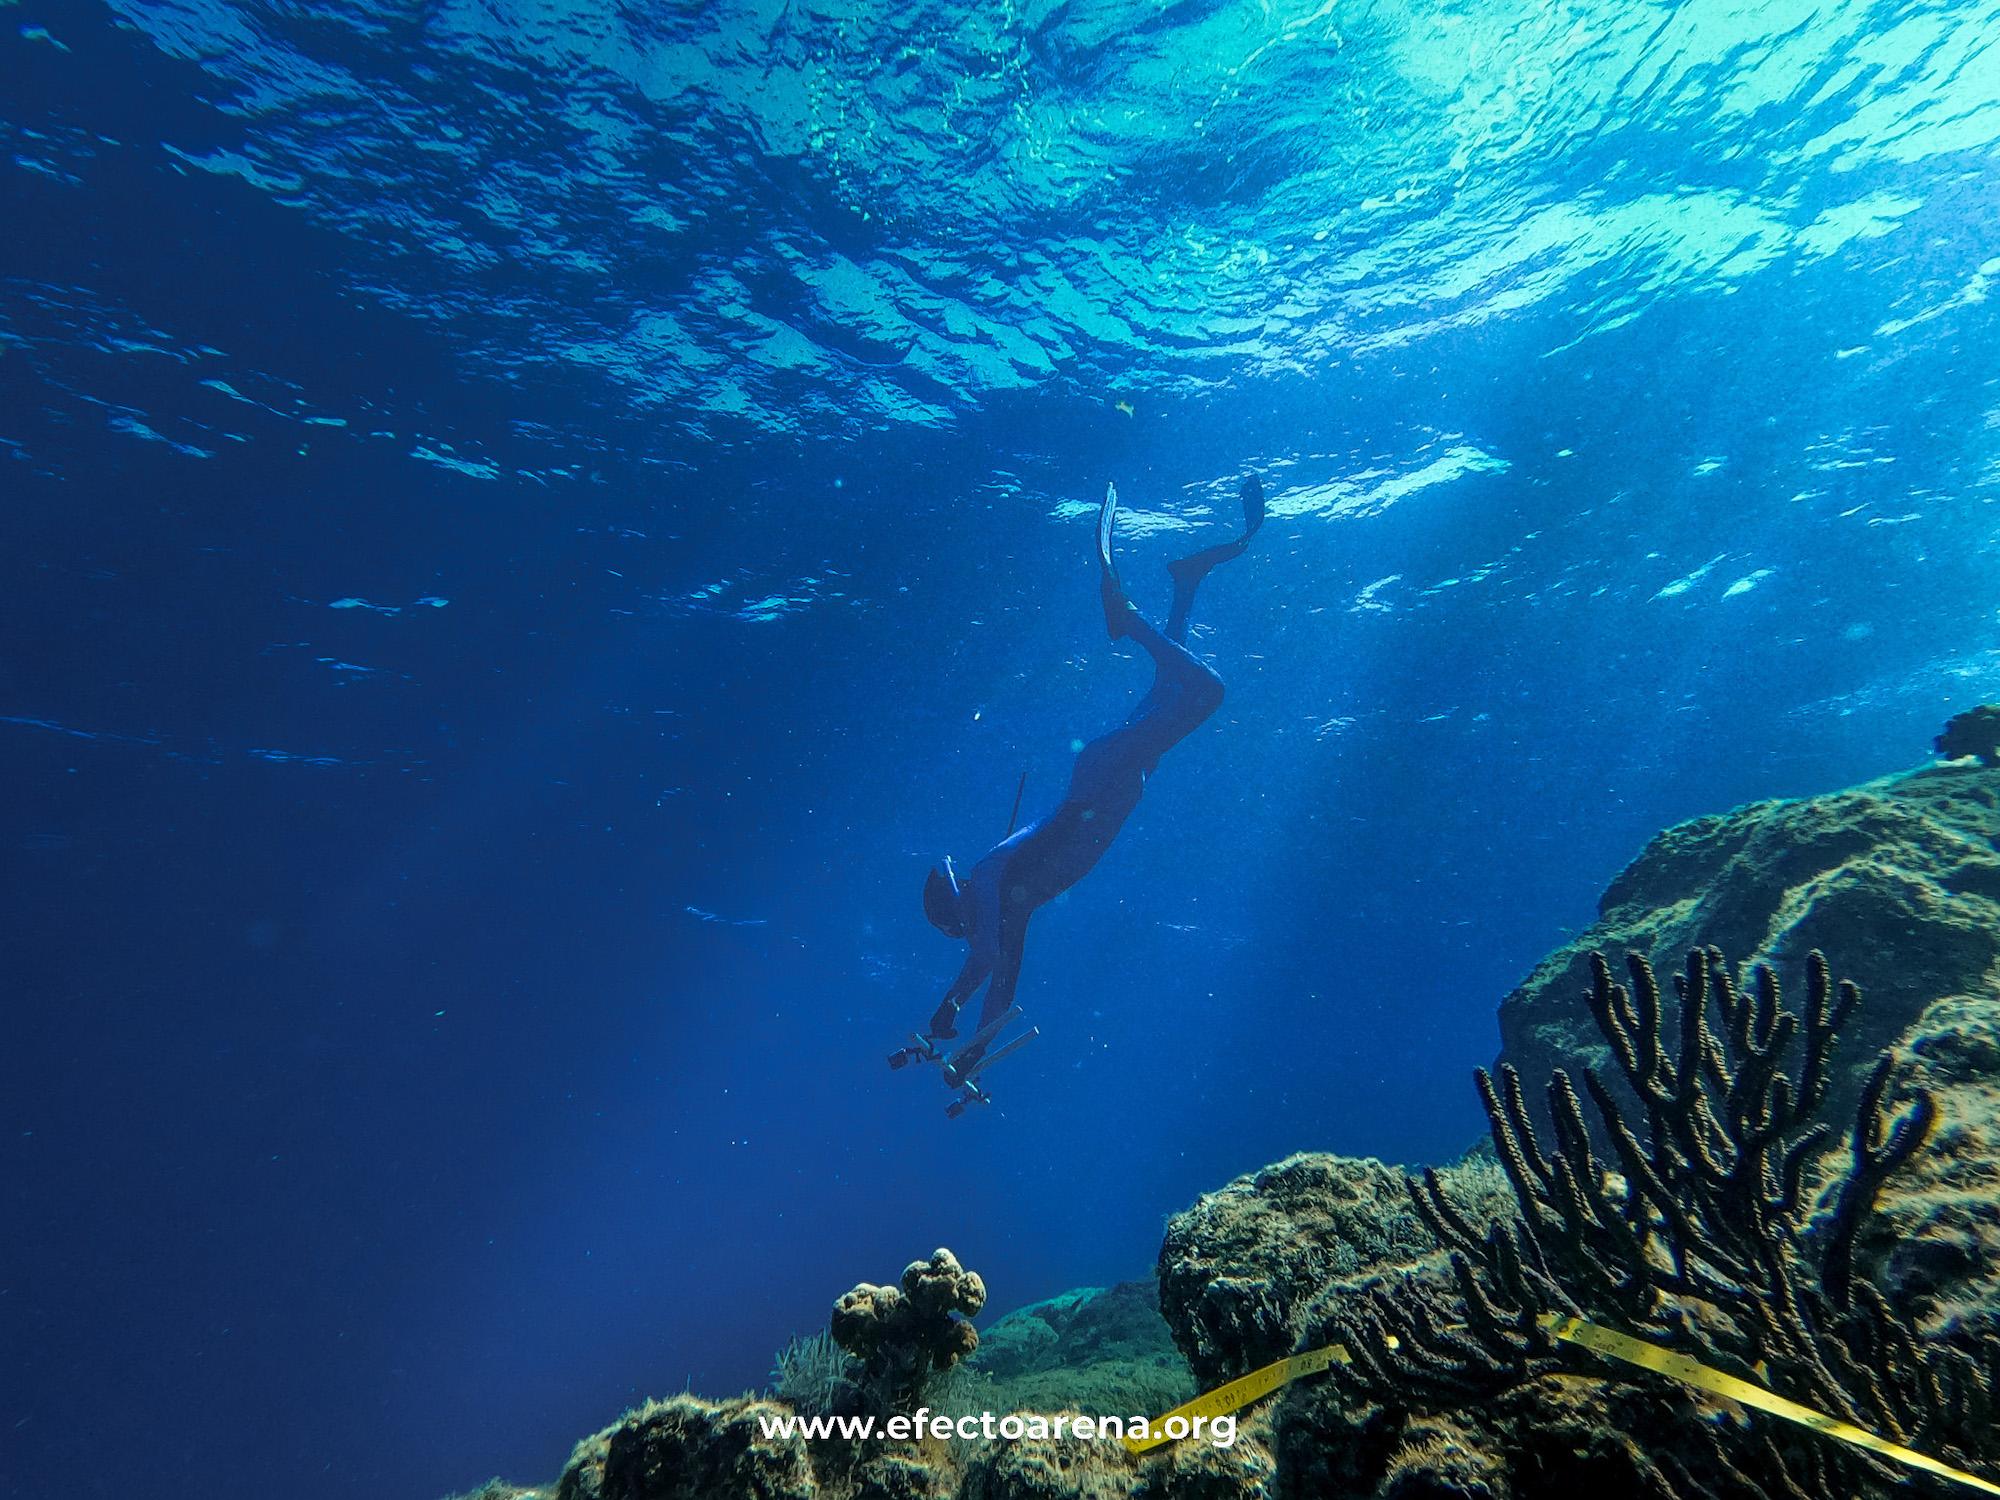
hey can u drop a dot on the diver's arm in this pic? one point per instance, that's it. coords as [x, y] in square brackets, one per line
[978, 965]
[986, 939]
[971, 975]
[1006, 969]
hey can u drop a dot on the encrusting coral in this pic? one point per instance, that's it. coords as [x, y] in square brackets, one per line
[900, 1334]
[1700, 1235]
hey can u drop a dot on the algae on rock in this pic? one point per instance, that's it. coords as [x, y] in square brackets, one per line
[1100, 1351]
[685, 1448]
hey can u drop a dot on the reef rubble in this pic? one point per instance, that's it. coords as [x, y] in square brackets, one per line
[1898, 881]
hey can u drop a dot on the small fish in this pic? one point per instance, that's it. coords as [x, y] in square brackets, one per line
[1126, 407]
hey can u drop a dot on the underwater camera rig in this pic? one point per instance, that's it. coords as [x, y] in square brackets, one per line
[961, 1069]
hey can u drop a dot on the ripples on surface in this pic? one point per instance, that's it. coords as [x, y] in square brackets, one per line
[807, 218]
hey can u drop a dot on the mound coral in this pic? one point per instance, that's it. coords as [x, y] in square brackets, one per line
[1974, 732]
[1104, 1351]
[900, 1334]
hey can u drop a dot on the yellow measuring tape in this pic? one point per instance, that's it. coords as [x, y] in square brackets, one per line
[1622, 1346]
[1240, 1392]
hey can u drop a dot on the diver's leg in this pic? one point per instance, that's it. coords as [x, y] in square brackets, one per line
[1177, 673]
[1188, 572]
[1184, 691]
[1181, 700]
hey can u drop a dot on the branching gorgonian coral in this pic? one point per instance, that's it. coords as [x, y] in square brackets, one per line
[1695, 1230]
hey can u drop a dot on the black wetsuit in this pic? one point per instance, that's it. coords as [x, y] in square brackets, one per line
[1039, 862]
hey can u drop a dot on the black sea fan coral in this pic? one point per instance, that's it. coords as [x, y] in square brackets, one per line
[1697, 1230]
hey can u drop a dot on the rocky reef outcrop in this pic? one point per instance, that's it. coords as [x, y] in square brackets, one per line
[1103, 1351]
[1899, 882]
[685, 1448]
[1243, 1270]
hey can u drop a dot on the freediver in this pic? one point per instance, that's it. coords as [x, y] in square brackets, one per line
[990, 907]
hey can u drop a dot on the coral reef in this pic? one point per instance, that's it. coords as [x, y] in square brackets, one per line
[1708, 1171]
[1556, 1437]
[1091, 1351]
[1085, 1327]
[1697, 1240]
[1242, 1270]
[1902, 874]
[899, 1334]
[1901, 879]
[1975, 732]
[685, 1448]
[1069, 1468]
[1051, 1468]
[1099, 1351]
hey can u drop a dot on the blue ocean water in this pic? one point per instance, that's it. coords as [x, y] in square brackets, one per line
[529, 526]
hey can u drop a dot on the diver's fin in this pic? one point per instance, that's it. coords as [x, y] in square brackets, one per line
[1188, 572]
[1117, 608]
[1252, 495]
[1107, 513]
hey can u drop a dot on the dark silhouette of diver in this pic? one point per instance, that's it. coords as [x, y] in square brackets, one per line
[990, 908]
